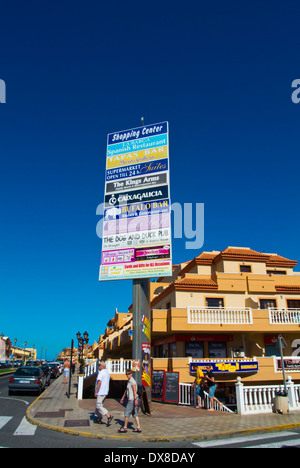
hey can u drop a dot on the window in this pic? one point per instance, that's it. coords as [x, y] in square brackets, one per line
[217, 350]
[276, 272]
[245, 268]
[293, 304]
[272, 345]
[173, 348]
[194, 350]
[266, 303]
[158, 351]
[272, 350]
[214, 302]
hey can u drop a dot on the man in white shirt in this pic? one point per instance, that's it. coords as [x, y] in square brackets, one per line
[101, 392]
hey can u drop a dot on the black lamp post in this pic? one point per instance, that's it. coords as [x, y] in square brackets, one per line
[81, 341]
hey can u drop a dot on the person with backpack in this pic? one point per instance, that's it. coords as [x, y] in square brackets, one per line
[133, 402]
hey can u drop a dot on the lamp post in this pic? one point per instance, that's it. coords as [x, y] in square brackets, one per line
[25, 344]
[15, 351]
[81, 341]
[2, 346]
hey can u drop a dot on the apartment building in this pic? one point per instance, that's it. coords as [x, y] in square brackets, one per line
[225, 308]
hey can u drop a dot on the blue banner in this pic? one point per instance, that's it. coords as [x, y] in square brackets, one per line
[136, 133]
[137, 145]
[225, 366]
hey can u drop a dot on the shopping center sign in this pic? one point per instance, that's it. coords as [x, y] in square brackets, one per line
[136, 240]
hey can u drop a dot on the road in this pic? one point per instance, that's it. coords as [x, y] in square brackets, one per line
[17, 432]
[281, 439]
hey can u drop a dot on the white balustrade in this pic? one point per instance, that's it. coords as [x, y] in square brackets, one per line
[261, 399]
[217, 316]
[187, 397]
[284, 316]
[118, 366]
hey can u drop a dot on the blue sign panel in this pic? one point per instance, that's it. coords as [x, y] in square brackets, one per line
[136, 145]
[137, 133]
[225, 366]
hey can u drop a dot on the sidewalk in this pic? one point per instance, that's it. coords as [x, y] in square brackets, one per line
[54, 410]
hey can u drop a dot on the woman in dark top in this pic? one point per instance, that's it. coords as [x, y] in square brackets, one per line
[210, 382]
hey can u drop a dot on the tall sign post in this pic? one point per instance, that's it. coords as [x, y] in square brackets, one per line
[282, 345]
[70, 375]
[136, 240]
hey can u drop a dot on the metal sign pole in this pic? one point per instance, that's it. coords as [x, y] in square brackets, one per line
[141, 322]
[70, 375]
[282, 344]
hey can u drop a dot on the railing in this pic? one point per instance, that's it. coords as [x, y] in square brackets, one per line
[284, 316]
[225, 316]
[261, 399]
[187, 397]
[114, 367]
[119, 366]
[91, 368]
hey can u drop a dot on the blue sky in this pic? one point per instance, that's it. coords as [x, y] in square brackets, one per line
[219, 72]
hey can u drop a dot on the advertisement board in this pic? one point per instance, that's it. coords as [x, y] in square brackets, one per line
[291, 364]
[226, 366]
[136, 240]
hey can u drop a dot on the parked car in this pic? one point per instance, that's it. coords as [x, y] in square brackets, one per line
[19, 363]
[36, 363]
[54, 370]
[27, 379]
[47, 371]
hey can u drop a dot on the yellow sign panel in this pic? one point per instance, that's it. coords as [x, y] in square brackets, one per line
[134, 157]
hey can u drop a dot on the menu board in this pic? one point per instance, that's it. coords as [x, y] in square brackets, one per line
[171, 387]
[157, 390]
[136, 236]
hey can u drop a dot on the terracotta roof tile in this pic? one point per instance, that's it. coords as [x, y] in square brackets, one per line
[195, 283]
[242, 253]
[277, 260]
[287, 289]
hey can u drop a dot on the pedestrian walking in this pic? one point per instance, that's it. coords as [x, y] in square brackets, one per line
[66, 368]
[212, 386]
[132, 403]
[199, 385]
[101, 392]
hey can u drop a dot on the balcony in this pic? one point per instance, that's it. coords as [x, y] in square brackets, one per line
[284, 316]
[244, 319]
[220, 316]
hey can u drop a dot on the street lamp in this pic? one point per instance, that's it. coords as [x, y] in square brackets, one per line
[81, 341]
[25, 344]
[15, 351]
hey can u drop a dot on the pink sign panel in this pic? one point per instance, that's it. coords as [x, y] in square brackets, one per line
[111, 257]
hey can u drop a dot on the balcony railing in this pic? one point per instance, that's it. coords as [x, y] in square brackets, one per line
[284, 316]
[224, 316]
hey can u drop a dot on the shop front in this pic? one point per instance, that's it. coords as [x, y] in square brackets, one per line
[193, 346]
